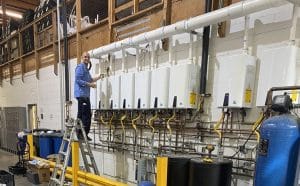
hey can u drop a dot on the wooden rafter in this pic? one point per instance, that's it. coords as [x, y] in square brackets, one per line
[22, 4]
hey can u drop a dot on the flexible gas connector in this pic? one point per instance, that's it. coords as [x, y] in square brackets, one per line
[101, 119]
[217, 126]
[150, 123]
[256, 126]
[122, 119]
[168, 123]
[110, 121]
[134, 122]
[200, 103]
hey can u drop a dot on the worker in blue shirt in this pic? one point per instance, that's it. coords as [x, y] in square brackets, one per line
[83, 83]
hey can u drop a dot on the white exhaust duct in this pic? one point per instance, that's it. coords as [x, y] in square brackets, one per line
[231, 12]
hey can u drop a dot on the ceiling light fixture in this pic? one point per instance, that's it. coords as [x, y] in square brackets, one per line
[11, 13]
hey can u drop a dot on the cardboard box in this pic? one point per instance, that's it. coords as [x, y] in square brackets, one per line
[44, 173]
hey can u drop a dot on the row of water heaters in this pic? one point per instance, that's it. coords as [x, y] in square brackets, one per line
[178, 86]
[165, 87]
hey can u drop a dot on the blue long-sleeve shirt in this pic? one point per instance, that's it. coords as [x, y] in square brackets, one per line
[82, 78]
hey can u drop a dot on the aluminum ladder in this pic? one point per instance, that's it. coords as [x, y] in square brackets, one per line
[70, 135]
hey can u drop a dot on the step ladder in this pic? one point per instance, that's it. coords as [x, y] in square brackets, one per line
[70, 135]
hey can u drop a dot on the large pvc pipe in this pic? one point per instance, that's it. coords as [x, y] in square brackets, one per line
[296, 2]
[231, 12]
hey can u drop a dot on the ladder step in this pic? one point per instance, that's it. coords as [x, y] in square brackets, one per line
[59, 166]
[91, 165]
[55, 180]
[66, 139]
[63, 153]
[85, 152]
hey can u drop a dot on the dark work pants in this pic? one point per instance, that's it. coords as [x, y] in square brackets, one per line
[84, 113]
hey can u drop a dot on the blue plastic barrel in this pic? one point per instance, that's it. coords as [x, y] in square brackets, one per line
[57, 139]
[278, 152]
[146, 183]
[46, 145]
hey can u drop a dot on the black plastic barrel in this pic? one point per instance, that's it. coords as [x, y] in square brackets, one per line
[217, 173]
[178, 171]
[6, 178]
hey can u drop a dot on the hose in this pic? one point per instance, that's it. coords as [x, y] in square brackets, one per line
[110, 121]
[168, 123]
[200, 103]
[256, 126]
[122, 124]
[217, 126]
[134, 122]
[102, 121]
[150, 122]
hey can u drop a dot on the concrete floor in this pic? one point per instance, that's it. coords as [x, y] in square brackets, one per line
[8, 159]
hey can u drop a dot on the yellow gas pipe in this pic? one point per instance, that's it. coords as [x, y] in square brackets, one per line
[110, 121]
[134, 122]
[256, 126]
[217, 126]
[150, 123]
[168, 123]
[101, 119]
[122, 124]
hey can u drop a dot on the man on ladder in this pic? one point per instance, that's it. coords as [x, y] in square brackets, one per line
[82, 86]
[77, 130]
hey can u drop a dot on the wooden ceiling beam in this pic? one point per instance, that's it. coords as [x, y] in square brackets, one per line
[23, 4]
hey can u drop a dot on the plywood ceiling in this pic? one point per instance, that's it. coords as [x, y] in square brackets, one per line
[20, 5]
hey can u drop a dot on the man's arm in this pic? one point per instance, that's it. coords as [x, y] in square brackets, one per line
[79, 74]
[98, 77]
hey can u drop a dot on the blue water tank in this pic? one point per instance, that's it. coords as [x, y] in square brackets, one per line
[278, 151]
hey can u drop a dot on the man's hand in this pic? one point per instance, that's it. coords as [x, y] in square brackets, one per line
[100, 76]
[93, 85]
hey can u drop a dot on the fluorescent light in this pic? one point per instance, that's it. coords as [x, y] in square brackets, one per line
[11, 13]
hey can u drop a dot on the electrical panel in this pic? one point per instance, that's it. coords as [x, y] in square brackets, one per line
[160, 87]
[102, 96]
[142, 89]
[184, 86]
[127, 90]
[236, 78]
[113, 91]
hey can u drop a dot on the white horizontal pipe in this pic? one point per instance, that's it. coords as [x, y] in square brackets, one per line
[296, 2]
[231, 12]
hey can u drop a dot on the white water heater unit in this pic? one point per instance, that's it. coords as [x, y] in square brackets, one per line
[142, 89]
[113, 91]
[160, 87]
[127, 91]
[184, 85]
[102, 97]
[236, 79]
